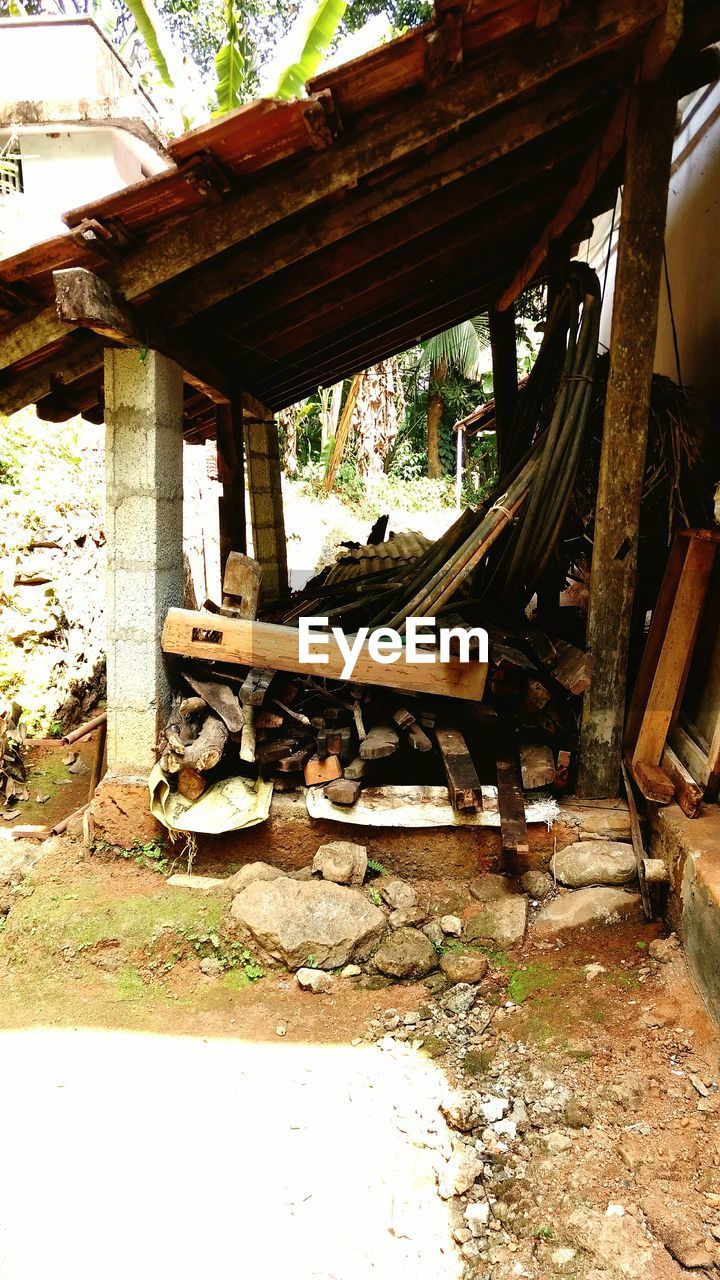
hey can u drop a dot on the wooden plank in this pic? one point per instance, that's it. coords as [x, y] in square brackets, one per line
[537, 766]
[661, 44]
[513, 823]
[651, 131]
[653, 782]
[688, 793]
[379, 742]
[463, 782]
[573, 669]
[655, 639]
[231, 506]
[671, 672]
[690, 754]
[209, 636]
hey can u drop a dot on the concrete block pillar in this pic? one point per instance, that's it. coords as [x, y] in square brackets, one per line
[144, 476]
[262, 454]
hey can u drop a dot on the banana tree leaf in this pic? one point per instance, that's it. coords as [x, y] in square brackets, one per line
[150, 25]
[320, 32]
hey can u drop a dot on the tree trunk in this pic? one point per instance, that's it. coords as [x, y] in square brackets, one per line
[435, 410]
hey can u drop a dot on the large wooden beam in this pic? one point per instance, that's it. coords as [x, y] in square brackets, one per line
[85, 301]
[661, 43]
[651, 130]
[332, 241]
[215, 638]
[580, 34]
[231, 473]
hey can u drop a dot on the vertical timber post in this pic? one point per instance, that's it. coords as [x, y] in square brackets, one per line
[144, 521]
[231, 473]
[504, 362]
[648, 157]
[262, 455]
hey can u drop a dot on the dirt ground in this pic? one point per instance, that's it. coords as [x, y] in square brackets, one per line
[615, 1167]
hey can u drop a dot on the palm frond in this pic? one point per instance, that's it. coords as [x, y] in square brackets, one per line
[462, 347]
[321, 29]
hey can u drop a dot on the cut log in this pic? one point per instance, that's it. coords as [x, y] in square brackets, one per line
[269, 720]
[513, 823]
[688, 793]
[256, 683]
[247, 737]
[295, 762]
[206, 751]
[356, 769]
[192, 707]
[653, 782]
[381, 741]
[403, 718]
[537, 766]
[272, 752]
[418, 739]
[241, 584]
[317, 770]
[463, 782]
[343, 791]
[220, 699]
[191, 783]
[562, 772]
[573, 669]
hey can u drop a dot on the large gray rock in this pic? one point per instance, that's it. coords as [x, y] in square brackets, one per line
[538, 885]
[502, 921]
[493, 888]
[594, 862]
[398, 894]
[406, 953]
[470, 967]
[252, 873]
[586, 907]
[295, 919]
[341, 861]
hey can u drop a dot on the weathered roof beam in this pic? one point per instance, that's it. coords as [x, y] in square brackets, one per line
[86, 301]
[581, 33]
[661, 44]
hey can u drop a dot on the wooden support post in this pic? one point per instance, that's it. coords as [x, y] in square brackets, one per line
[648, 156]
[266, 505]
[504, 362]
[231, 473]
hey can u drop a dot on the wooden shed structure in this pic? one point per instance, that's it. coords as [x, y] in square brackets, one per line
[293, 244]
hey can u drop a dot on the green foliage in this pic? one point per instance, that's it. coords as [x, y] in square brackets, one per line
[149, 25]
[319, 35]
[377, 868]
[230, 62]
[231, 955]
[374, 896]
[402, 14]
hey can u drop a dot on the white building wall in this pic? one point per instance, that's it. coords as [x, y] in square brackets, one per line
[692, 243]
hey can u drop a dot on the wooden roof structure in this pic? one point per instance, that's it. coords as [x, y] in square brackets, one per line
[293, 244]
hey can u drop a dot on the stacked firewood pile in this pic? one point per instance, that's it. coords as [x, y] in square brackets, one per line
[488, 570]
[303, 731]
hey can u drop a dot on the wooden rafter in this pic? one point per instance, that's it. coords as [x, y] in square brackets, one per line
[578, 35]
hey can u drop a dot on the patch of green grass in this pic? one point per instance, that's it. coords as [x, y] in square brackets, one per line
[127, 984]
[529, 980]
[55, 918]
[545, 1233]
